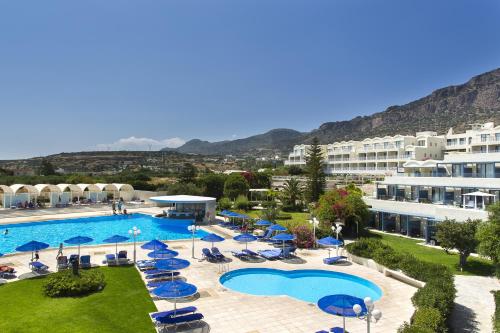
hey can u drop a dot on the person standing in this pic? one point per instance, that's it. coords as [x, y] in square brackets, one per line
[60, 251]
[120, 204]
[113, 206]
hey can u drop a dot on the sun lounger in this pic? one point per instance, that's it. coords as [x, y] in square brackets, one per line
[62, 262]
[174, 321]
[174, 313]
[110, 259]
[38, 266]
[122, 258]
[207, 255]
[250, 253]
[157, 283]
[85, 261]
[270, 254]
[162, 276]
[217, 254]
[334, 260]
[266, 237]
[6, 271]
[239, 254]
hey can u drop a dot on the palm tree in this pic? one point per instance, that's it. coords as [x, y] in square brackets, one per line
[292, 192]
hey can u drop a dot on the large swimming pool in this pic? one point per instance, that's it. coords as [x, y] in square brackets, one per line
[98, 228]
[305, 285]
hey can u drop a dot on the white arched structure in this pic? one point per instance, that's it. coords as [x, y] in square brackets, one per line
[48, 194]
[23, 193]
[125, 191]
[69, 193]
[108, 189]
[6, 196]
[90, 191]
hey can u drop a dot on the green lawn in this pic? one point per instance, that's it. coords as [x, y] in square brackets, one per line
[475, 266]
[297, 218]
[122, 306]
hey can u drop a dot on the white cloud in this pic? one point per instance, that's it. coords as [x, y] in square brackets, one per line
[133, 143]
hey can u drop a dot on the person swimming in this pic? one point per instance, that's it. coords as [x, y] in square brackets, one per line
[6, 232]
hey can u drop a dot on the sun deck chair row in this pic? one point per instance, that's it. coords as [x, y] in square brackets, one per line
[244, 253]
[214, 255]
[187, 315]
[271, 254]
[112, 260]
[64, 263]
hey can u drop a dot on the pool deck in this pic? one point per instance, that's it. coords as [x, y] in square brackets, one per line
[229, 311]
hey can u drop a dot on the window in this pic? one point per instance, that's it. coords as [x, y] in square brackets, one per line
[497, 136]
[462, 141]
[421, 143]
[484, 137]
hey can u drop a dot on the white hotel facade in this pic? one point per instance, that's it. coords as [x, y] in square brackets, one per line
[429, 177]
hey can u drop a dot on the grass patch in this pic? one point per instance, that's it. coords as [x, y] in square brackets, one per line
[122, 306]
[475, 266]
[292, 220]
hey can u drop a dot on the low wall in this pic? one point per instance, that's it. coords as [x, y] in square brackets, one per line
[397, 275]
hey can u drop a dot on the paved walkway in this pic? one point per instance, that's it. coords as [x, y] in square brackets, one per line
[474, 304]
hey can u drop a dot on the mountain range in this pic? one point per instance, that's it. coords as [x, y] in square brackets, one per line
[477, 100]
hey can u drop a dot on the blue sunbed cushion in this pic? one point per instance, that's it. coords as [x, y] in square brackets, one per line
[160, 275]
[38, 265]
[180, 319]
[250, 252]
[110, 257]
[333, 260]
[171, 313]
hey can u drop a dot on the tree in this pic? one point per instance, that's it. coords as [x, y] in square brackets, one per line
[295, 170]
[235, 185]
[292, 193]
[184, 188]
[214, 185]
[241, 202]
[225, 203]
[188, 173]
[346, 205]
[488, 235]
[315, 172]
[46, 168]
[270, 212]
[458, 235]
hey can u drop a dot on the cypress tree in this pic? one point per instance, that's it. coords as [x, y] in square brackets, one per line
[315, 172]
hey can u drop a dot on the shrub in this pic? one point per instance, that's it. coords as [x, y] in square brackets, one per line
[434, 302]
[241, 202]
[225, 203]
[66, 284]
[304, 237]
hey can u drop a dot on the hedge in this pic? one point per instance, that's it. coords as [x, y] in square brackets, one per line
[66, 284]
[434, 302]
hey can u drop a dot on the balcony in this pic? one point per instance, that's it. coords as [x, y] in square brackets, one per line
[485, 141]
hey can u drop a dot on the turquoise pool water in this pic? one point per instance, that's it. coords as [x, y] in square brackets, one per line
[305, 285]
[98, 228]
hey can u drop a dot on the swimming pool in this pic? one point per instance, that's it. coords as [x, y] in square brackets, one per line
[99, 228]
[305, 285]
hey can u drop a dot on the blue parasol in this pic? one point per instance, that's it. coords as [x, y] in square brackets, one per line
[283, 237]
[116, 239]
[172, 264]
[263, 223]
[245, 238]
[163, 254]
[32, 246]
[78, 240]
[276, 227]
[154, 245]
[174, 290]
[329, 242]
[341, 305]
[212, 238]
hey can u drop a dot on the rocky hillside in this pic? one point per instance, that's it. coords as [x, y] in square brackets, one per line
[477, 100]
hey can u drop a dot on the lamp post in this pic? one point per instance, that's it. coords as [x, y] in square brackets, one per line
[134, 232]
[337, 229]
[193, 228]
[314, 221]
[370, 313]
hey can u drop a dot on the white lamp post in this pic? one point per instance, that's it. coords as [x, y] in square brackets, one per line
[134, 232]
[337, 229]
[193, 228]
[371, 312]
[314, 221]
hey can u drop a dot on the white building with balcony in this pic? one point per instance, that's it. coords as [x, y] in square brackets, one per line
[481, 138]
[299, 153]
[458, 187]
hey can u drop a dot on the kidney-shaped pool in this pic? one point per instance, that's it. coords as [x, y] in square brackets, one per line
[305, 285]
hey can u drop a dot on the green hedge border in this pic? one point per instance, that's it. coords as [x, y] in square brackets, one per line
[434, 302]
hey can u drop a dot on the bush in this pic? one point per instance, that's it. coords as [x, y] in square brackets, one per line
[304, 237]
[66, 284]
[225, 203]
[241, 203]
[434, 302]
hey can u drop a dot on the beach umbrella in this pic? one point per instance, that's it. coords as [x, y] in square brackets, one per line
[163, 254]
[175, 290]
[78, 240]
[245, 238]
[212, 238]
[283, 237]
[276, 227]
[329, 242]
[263, 223]
[32, 246]
[341, 305]
[172, 264]
[154, 245]
[116, 239]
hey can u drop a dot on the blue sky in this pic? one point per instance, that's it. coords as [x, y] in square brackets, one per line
[133, 74]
